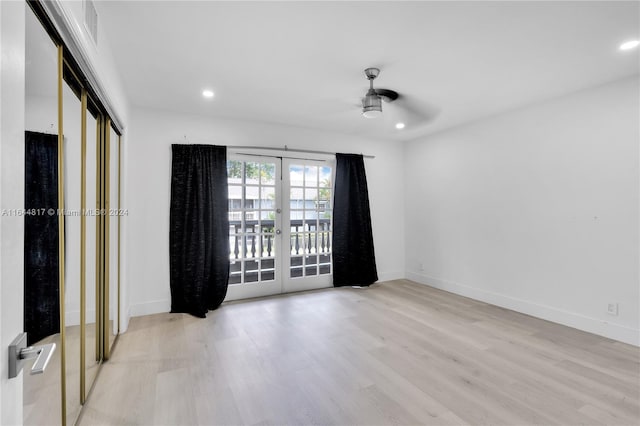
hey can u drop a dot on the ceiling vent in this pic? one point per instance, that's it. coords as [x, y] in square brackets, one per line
[91, 20]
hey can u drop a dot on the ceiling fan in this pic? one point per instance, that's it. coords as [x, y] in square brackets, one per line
[372, 101]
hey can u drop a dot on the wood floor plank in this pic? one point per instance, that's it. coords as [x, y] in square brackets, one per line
[569, 388]
[394, 353]
[449, 391]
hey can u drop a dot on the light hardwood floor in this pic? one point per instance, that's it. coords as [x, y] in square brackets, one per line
[395, 353]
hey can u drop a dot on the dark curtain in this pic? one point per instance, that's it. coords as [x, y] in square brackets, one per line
[199, 228]
[41, 279]
[354, 261]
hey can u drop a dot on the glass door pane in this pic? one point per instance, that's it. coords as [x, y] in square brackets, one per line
[72, 179]
[91, 335]
[41, 393]
[254, 223]
[113, 214]
[308, 195]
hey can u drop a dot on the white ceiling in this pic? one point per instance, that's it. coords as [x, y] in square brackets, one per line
[301, 63]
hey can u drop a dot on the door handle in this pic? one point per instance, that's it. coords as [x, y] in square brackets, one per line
[278, 232]
[19, 353]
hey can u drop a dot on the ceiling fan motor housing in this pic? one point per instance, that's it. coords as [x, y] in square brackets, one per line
[371, 73]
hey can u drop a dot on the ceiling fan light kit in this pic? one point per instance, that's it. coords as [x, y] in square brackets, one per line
[372, 101]
[371, 105]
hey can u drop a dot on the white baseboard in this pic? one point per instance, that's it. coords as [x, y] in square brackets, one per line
[73, 318]
[125, 316]
[571, 319]
[149, 308]
[390, 276]
[160, 306]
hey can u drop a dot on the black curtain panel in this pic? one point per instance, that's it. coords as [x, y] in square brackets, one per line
[41, 256]
[199, 228]
[354, 261]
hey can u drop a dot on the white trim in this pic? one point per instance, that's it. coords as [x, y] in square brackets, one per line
[549, 313]
[252, 290]
[390, 276]
[162, 306]
[150, 308]
[124, 321]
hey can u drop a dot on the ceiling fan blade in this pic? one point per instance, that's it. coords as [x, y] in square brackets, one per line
[418, 112]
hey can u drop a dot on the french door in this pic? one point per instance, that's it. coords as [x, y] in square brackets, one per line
[280, 225]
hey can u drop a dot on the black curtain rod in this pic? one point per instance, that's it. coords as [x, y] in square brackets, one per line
[279, 156]
[287, 149]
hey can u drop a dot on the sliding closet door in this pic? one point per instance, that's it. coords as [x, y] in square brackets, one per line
[90, 347]
[71, 245]
[42, 392]
[72, 178]
[112, 285]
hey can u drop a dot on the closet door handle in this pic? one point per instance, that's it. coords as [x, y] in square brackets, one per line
[42, 354]
[19, 352]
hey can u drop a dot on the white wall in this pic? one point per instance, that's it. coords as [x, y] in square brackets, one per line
[148, 172]
[12, 63]
[535, 210]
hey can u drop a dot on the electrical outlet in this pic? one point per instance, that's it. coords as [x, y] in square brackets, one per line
[612, 308]
[420, 266]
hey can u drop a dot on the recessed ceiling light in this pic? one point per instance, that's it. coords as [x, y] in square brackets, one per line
[207, 93]
[628, 45]
[399, 125]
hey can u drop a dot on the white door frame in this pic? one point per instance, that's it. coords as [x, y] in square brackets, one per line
[282, 282]
[12, 126]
